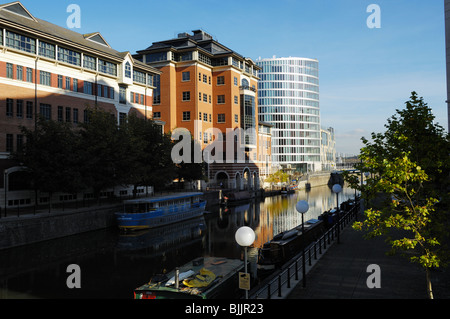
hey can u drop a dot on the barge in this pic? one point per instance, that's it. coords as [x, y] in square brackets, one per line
[202, 278]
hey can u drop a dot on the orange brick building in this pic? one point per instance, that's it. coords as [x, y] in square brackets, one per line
[205, 85]
[57, 73]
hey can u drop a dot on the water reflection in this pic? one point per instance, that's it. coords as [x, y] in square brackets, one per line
[113, 265]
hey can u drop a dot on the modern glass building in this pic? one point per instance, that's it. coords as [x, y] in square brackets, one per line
[289, 100]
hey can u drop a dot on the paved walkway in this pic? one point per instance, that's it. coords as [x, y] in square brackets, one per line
[342, 273]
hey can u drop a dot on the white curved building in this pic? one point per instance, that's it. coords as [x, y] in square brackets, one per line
[289, 100]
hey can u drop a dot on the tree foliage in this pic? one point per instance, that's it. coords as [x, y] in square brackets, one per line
[410, 168]
[97, 155]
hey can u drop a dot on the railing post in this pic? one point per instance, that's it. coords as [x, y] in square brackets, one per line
[296, 270]
[279, 286]
[289, 277]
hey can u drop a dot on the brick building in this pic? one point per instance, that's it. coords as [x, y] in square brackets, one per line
[57, 73]
[204, 86]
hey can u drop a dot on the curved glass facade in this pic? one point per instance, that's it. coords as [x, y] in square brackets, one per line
[288, 95]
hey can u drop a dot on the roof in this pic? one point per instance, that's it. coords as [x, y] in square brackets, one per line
[15, 15]
[162, 198]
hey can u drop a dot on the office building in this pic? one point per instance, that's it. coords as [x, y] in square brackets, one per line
[288, 94]
[204, 85]
[54, 72]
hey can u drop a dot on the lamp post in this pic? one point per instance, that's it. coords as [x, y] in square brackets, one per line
[245, 237]
[302, 207]
[337, 189]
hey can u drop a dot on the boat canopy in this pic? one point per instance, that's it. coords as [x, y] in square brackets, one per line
[158, 199]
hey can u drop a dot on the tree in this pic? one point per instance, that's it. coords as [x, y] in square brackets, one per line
[51, 156]
[410, 168]
[148, 153]
[103, 151]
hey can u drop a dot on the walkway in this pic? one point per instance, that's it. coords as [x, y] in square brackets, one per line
[342, 273]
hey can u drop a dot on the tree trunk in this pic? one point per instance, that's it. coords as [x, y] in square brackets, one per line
[429, 286]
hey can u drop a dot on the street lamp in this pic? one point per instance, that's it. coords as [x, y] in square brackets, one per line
[245, 237]
[337, 189]
[302, 207]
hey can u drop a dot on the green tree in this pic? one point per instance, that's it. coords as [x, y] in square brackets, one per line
[103, 152]
[51, 156]
[410, 168]
[148, 153]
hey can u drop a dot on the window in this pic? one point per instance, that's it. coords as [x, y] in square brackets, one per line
[122, 118]
[47, 50]
[87, 87]
[236, 100]
[9, 107]
[29, 110]
[221, 99]
[205, 98]
[109, 68]
[68, 114]
[89, 62]
[60, 113]
[68, 86]
[19, 108]
[75, 85]
[205, 78]
[205, 117]
[139, 77]
[60, 81]
[236, 118]
[235, 81]
[221, 118]
[20, 42]
[75, 116]
[19, 72]
[186, 96]
[46, 111]
[220, 80]
[200, 116]
[186, 116]
[9, 142]
[19, 142]
[111, 93]
[186, 76]
[45, 78]
[122, 95]
[69, 56]
[156, 115]
[30, 75]
[9, 71]
[128, 70]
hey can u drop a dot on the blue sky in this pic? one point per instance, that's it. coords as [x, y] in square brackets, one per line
[365, 74]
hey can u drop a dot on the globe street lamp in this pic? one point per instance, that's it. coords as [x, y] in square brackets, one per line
[302, 207]
[337, 189]
[245, 237]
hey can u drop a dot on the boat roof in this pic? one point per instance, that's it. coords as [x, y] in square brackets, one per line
[164, 198]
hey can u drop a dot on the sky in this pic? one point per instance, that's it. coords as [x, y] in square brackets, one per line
[366, 74]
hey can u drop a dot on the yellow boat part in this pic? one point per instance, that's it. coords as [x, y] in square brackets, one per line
[204, 279]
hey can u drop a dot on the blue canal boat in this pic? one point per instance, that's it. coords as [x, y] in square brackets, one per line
[159, 211]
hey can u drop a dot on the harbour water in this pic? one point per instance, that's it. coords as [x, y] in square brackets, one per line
[113, 264]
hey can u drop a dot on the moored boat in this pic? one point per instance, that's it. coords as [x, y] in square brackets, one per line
[152, 212]
[202, 278]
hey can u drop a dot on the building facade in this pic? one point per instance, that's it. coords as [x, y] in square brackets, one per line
[54, 72]
[288, 94]
[328, 149]
[208, 89]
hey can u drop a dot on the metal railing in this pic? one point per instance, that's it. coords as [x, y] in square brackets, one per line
[291, 271]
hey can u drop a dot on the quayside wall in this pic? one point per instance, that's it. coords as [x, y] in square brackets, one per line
[31, 229]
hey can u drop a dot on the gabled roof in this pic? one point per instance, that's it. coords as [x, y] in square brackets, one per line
[96, 37]
[17, 17]
[17, 8]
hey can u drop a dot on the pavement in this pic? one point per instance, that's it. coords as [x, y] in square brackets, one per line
[342, 273]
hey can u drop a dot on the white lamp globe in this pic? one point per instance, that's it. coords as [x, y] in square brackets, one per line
[302, 207]
[337, 188]
[245, 236]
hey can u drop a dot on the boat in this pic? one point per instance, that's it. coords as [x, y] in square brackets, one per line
[287, 190]
[152, 212]
[284, 246]
[202, 278]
